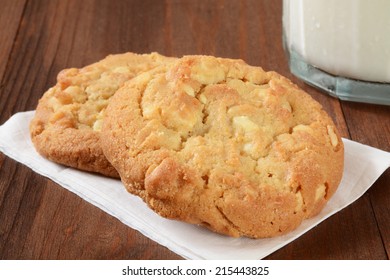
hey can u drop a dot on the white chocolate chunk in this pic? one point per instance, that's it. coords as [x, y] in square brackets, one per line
[97, 126]
[207, 73]
[320, 192]
[248, 148]
[245, 123]
[73, 90]
[150, 112]
[55, 104]
[262, 91]
[203, 98]
[286, 105]
[121, 70]
[299, 199]
[188, 90]
[302, 127]
[332, 135]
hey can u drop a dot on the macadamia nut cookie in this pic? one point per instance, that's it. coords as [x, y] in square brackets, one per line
[218, 143]
[66, 127]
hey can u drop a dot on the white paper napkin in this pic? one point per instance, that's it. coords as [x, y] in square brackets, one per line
[363, 165]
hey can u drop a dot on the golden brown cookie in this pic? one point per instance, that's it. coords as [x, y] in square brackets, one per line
[66, 127]
[219, 143]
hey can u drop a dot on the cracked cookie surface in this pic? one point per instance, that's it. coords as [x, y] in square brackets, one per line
[66, 126]
[218, 143]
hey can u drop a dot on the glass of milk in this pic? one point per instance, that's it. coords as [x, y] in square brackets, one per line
[340, 46]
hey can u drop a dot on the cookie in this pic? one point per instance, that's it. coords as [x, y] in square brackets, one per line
[66, 127]
[218, 143]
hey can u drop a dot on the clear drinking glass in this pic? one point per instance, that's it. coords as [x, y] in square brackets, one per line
[340, 46]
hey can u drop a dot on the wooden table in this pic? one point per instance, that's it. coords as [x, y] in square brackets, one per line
[38, 38]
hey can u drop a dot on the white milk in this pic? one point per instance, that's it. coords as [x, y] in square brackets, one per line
[349, 38]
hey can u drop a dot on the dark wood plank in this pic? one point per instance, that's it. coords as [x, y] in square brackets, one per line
[18, 199]
[58, 34]
[370, 124]
[10, 16]
[97, 235]
[380, 201]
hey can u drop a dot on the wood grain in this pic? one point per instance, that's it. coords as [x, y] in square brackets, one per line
[10, 19]
[370, 125]
[41, 220]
